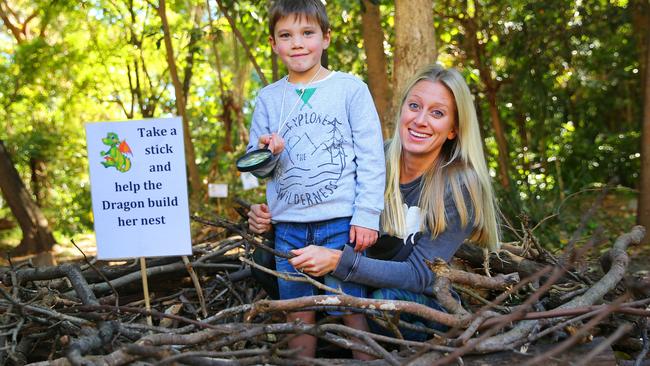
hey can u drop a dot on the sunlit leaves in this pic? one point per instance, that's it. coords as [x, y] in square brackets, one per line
[567, 72]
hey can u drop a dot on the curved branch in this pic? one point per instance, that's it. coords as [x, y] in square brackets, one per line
[420, 310]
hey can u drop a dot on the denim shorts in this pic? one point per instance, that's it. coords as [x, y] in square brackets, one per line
[334, 234]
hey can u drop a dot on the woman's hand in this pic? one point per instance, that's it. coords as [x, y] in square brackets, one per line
[274, 141]
[363, 238]
[259, 218]
[315, 261]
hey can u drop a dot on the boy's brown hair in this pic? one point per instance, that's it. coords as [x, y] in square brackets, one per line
[312, 9]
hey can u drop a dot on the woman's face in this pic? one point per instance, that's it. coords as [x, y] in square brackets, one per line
[428, 119]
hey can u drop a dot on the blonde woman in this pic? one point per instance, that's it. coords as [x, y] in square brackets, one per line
[438, 194]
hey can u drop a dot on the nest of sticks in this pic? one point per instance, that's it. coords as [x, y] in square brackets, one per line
[523, 304]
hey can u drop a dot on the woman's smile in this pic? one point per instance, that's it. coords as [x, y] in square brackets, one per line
[419, 135]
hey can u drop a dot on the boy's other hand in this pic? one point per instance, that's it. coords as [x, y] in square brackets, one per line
[274, 141]
[363, 238]
[259, 218]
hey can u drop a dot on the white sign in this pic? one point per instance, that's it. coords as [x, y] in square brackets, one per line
[139, 188]
[218, 190]
[249, 181]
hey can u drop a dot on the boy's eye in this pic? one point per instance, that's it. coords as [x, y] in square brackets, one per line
[309, 32]
[437, 113]
[283, 35]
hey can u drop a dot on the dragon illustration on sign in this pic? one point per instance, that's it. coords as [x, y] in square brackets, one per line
[116, 155]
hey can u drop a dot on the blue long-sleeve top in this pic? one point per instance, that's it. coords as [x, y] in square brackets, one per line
[333, 162]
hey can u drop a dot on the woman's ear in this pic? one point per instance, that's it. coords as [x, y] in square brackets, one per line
[452, 134]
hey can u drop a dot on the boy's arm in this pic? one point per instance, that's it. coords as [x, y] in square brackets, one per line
[370, 162]
[260, 127]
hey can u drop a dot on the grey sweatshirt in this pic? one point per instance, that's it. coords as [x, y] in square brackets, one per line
[411, 274]
[333, 160]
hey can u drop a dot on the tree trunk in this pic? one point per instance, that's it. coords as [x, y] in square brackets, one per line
[373, 44]
[238, 88]
[190, 156]
[477, 51]
[640, 10]
[415, 44]
[37, 168]
[502, 145]
[37, 236]
[643, 214]
[227, 118]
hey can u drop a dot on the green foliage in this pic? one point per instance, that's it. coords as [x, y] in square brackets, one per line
[567, 73]
[568, 93]
[39, 120]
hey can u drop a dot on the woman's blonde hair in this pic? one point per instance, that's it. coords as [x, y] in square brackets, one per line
[461, 163]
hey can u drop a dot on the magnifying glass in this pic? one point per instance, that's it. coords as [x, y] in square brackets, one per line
[254, 159]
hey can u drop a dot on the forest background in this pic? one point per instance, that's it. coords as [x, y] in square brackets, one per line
[560, 92]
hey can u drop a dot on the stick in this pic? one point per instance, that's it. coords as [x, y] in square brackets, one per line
[423, 311]
[145, 289]
[100, 273]
[197, 285]
[644, 338]
[582, 331]
[500, 282]
[222, 223]
[297, 277]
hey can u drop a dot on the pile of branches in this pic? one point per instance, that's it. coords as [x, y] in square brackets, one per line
[531, 306]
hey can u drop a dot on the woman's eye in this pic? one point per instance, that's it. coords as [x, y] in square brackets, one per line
[437, 113]
[413, 106]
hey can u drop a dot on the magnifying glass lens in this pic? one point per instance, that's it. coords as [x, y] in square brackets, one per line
[253, 160]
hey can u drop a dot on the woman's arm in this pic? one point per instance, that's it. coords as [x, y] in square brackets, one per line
[411, 274]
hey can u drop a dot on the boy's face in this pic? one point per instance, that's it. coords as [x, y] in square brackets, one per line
[299, 42]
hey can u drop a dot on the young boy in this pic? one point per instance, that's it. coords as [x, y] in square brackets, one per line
[327, 171]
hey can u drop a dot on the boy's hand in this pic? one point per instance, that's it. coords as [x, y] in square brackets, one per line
[363, 237]
[259, 218]
[274, 141]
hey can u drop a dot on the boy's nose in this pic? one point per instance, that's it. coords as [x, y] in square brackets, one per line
[296, 42]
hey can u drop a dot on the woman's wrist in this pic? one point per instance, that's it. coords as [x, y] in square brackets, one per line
[335, 258]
